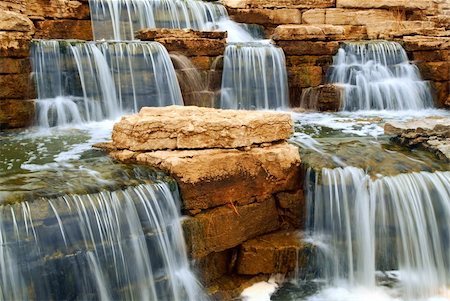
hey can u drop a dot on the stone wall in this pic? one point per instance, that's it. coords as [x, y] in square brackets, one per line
[241, 185]
[310, 32]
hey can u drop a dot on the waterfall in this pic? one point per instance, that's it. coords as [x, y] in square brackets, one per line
[378, 76]
[254, 77]
[121, 245]
[120, 19]
[363, 225]
[91, 81]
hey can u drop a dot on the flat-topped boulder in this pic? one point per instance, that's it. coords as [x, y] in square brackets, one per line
[178, 127]
[431, 133]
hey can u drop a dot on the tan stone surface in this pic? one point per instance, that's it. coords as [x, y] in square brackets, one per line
[226, 227]
[338, 16]
[308, 47]
[13, 21]
[57, 9]
[214, 177]
[279, 3]
[279, 252]
[322, 98]
[431, 55]
[16, 113]
[423, 43]
[150, 34]
[391, 29]
[314, 16]
[14, 66]
[292, 208]
[198, 128]
[194, 46]
[267, 16]
[399, 4]
[15, 86]
[436, 71]
[308, 32]
[14, 44]
[305, 76]
[64, 29]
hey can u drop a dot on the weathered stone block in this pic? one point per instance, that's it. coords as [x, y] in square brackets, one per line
[308, 47]
[436, 71]
[389, 4]
[279, 252]
[338, 16]
[292, 208]
[14, 66]
[424, 43]
[431, 56]
[391, 29]
[198, 128]
[194, 46]
[16, 113]
[314, 16]
[13, 21]
[57, 9]
[322, 98]
[14, 44]
[64, 29]
[214, 177]
[315, 60]
[442, 92]
[267, 16]
[225, 227]
[15, 86]
[308, 32]
[305, 76]
[214, 265]
[279, 3]
[151, 34]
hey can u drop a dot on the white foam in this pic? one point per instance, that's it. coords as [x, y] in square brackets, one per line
[262, 291]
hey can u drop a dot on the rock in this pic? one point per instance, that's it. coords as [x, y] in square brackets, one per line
[227, 227]
[436, 71]
[292, 208]
[14, 66]
[215, 265]
[391, 29]
[338, 16]
[215, 177]
[151, 34]
[178, 127]
[322, 98]
[64, 29]
[305, 76]
[431, 56]
[57, 9]
[13, 21]
[267, 16]
[230, 287]
[388, 4]
[15, 86]
[424, 43]
[279, 3]
[14, 44]
[16, 113]
[308, 47]
[279, 252]
[308, 32]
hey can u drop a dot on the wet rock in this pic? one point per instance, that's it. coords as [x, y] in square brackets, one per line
[16, 113]
[14, 66]
[431, 133]
[308, 32]
[322, 98]
[227, 227]
[389, 4]
[230, 287]
[214, 177]
[64, 29]
[436, 71]
[308, 47]
[15, 86]
[13, 21]
[57, 9]
[424, 43]
[279, 252]
[292, 209]
[177, 127]
[14, 44]
[158, 33]
[267, 16]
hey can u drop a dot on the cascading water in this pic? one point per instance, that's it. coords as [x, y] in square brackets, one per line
[100, 80]
[363, 225]
[254, 77]
[120, 19]
[126, 244]
[377, 75]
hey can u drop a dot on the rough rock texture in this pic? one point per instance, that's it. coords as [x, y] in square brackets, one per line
[198, 128]
[322, 98]
[213, 177]
[432, 133]
[22, 113]
[393, 4]
[280, 252]
[279, 3]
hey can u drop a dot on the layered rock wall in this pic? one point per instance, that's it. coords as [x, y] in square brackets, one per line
[239, 181]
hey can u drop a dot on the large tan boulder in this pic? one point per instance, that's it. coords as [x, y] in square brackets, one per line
[15, 44]
[178, 127]
[57, 9]
[13, 21]
[214, 177]
[339, 16]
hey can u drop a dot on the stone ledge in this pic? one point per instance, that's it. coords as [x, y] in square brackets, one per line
[215, 177]
[392, 4]
[178, 127]
[308, 32]
[279, 3]
[16, 113]
[150, 34]
[421, 43]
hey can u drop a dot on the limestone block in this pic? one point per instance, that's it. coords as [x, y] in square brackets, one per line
[17, 6]
[57, 9]
[13, 21]
[322, 98]
[64, 29]
[314, 60]
[279, 252]
[194, 46]
[442, 91]
[16, 113]
[338, 16]
[424, 43]
[198, 128]
[14, 66]
[436, 71]
[314, 16]
[151, 34]
[279, 3]
[267, 16]
[14, 44]
[431, 55]
[292, 208]
[390, 29]
[214, 177]
[308, 47]
[305, 76]
[389, 4]
[308, 32]
[225, 227]
[15, 86]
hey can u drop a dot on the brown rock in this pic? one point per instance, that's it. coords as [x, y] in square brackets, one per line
[322, 98]
[14, 66]
[431, 55]
[13, 21]
[226, 227]
[17, 6]
[194, 46]
[16, 113]
[423, 43]
[292, 208]
[15, 86]
[214, 265]
[267, 16]
[193, 128]
[151, 34]
[314, 16]
[308, 47]
[308, 32]
[305, 76]
[338, 16]
[64, 29]
[442, 90]
[279, 3]
[391, 29]
[436, 71]
[57, 9]
[14, 44]
[314, 60]
[214, 177]
[389, 4]
[274, 253]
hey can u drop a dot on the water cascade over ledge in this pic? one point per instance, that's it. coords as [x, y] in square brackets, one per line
[126, 244]
[377, 75]
[82, 82]
[365, 228]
